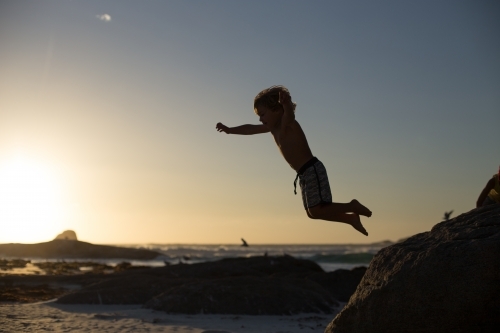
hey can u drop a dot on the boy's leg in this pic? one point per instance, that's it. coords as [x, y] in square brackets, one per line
[339, 212]
[334, 207]
[317, 199]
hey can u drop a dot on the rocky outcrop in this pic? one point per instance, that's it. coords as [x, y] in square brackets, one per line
[444, 280]
[257, 285]
[250, 295]
[74, 249]
[67, 235]
[340, 283]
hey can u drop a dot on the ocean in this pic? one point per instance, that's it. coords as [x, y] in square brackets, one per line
[329, 257]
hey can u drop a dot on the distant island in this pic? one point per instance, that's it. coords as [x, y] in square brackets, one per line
[66, 245]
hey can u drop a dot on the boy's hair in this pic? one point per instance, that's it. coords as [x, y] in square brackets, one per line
[269, 98]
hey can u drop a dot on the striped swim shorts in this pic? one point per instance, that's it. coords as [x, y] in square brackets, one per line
[314, 184]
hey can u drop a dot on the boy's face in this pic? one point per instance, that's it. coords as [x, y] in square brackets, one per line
[269, 117]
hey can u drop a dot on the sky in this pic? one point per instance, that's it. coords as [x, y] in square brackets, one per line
[108, 112]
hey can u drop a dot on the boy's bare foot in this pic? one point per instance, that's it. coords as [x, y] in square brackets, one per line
[360, 209]
[356, 224]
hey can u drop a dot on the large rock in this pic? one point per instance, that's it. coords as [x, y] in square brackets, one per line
[258, 285]
[445, 280]
[248, 295]
[122, 289]
[341, 283]
[74, 249]
[67, 235]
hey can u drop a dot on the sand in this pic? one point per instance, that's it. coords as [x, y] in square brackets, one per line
[52, 317]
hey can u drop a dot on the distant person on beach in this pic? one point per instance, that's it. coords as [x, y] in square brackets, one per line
[491, 193]
[277, 114]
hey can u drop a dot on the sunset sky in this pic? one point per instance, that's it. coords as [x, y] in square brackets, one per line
[108, 112]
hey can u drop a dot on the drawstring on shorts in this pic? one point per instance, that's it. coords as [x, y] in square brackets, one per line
[302, 169]
[295, 184]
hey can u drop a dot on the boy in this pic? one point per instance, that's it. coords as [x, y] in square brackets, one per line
[490, 195]
[277, 114]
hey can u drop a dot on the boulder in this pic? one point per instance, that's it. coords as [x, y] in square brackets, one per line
[341, 283]
[246, 295]
[67, 235]
[444, 280]
[258, 285]
[253, 266]
[123, 289]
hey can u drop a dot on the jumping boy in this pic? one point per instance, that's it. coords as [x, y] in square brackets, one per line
[277, 114]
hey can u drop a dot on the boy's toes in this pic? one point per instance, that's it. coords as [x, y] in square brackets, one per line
[363, 231]
[356, 224]
[361, 210]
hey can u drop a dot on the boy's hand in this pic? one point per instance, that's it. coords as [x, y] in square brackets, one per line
[288, 116]
[222, 128]
[285, 100]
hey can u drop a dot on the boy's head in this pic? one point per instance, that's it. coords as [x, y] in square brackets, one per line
[269, 98]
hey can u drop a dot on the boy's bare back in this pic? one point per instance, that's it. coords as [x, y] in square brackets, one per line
[287, 132]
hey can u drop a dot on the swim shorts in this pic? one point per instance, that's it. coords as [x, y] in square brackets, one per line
[314, 183]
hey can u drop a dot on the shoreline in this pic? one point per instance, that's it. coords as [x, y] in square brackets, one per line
[72, 266]
[50, 316]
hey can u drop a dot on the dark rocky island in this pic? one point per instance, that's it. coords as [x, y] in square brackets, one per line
[444, 280]
[64, 248]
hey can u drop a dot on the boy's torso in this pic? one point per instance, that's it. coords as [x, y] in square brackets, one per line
[293, 145]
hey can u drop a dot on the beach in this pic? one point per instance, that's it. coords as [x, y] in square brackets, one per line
[30, 289]
[52, 317]
[87, 296]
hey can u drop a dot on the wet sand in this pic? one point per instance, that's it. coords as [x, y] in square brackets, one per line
[52, 317]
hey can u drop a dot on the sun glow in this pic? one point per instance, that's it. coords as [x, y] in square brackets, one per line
[31, 207]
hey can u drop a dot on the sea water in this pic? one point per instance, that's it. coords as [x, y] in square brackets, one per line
[329, 257]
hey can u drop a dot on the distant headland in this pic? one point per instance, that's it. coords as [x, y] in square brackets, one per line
[66, 245]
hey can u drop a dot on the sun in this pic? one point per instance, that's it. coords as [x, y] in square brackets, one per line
[31, 207]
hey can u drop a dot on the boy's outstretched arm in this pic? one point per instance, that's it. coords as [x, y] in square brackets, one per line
[243, 129]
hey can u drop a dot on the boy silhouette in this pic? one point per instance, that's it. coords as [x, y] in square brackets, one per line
[490, 194]
[277, 114]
